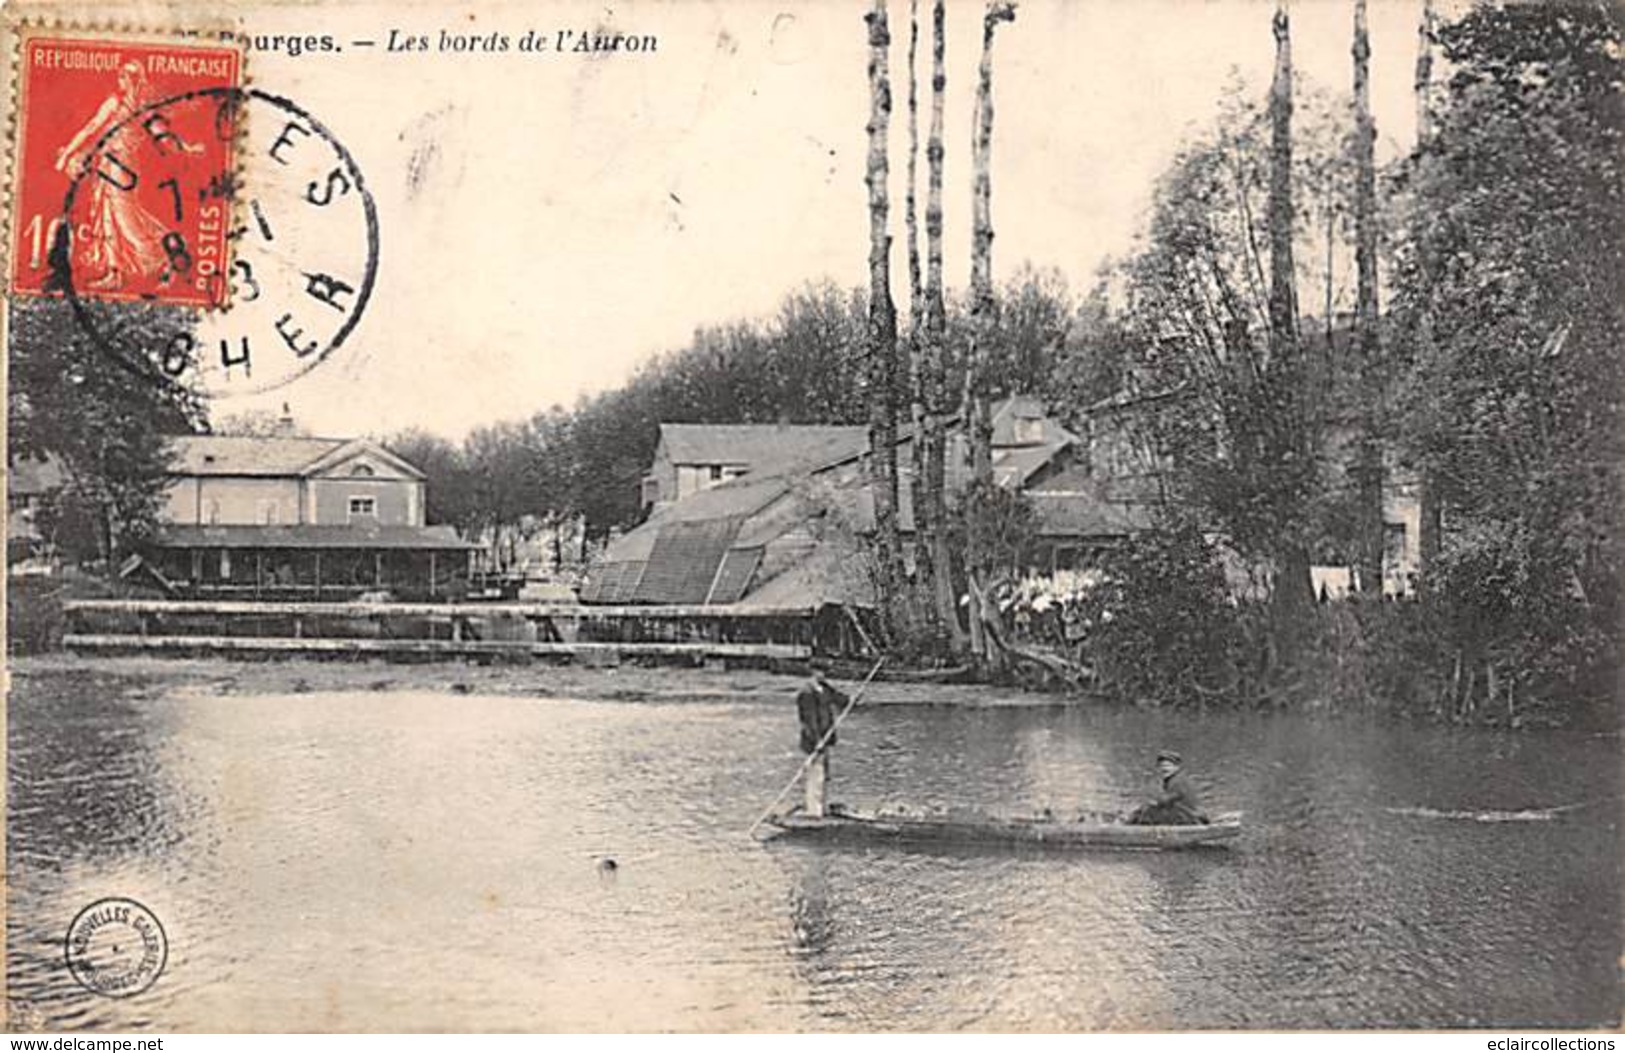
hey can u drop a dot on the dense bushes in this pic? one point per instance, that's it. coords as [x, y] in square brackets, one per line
[1503, 641]
[34, 615]
[1158, 627]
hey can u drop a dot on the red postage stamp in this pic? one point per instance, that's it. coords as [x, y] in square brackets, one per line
[124, 177]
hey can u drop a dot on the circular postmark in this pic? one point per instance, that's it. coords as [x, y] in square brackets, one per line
[116, 947]
[222, 239]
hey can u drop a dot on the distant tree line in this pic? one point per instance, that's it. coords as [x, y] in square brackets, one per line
[805, 365]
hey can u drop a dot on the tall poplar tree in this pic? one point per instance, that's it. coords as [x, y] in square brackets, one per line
[983, 310]
[933, 356]
[883, 385]
[1368, 338]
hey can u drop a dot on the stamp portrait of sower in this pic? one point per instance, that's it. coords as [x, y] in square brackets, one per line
[103, 202]
[123, 240]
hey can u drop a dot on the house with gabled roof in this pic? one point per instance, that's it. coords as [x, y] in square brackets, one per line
[787, 536]
[249, 516]
[692, 457]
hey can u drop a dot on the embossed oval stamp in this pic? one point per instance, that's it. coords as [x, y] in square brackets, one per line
[116, 947]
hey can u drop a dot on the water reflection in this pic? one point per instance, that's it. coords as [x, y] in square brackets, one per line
[458, 846]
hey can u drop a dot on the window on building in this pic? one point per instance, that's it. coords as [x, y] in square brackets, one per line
[716, 473]
[363, 508]
[211, 511]
[363, 470]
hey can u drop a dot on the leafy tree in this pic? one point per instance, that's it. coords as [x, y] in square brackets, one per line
[105, 419]
[1508, 313]
[448, 483]
[1159, 626]
[1209, 317]
[1031, 326]
[1094, 360]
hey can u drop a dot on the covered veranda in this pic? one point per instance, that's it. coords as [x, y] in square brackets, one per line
[312, 562]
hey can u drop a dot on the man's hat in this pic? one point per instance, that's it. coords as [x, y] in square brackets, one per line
[1170, 755]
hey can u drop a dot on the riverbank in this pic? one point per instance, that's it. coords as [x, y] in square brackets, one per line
[622, 684]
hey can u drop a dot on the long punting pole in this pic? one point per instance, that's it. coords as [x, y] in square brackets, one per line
[807, 763]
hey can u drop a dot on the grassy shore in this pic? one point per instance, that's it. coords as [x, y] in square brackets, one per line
[623, 684]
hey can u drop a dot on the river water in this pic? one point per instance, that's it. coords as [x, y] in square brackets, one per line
[375, 861]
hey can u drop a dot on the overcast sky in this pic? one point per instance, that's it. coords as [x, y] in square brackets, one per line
[573, 216]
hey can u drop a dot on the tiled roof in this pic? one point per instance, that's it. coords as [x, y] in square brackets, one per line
[247, 454]
[739, 497]
[1048, 430]
[761, 446]
[273, 456]
[311, 536]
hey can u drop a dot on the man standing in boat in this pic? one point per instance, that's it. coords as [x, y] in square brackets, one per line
[818, 705]
[1177, 804]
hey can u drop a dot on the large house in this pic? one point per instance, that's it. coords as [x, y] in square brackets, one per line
[694, 457]
[784, 535]
[291, 517]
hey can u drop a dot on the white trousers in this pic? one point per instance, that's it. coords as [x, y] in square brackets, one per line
[818, 784]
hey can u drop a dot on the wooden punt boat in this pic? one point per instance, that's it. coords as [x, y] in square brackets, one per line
[1100, 831]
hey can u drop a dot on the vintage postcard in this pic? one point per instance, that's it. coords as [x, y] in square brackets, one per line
[856, 515]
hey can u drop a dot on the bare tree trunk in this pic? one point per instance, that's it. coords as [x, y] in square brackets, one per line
[1330, 320]
[1369, 339]
[1428, 539]
[1282, 308]
[933, 356]
[1291, 594]
[977, 422]
[922, 594]
[882, 321]
[1425, 40]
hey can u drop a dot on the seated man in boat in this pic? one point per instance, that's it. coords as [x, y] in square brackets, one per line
[818, 705]
[1177, 804]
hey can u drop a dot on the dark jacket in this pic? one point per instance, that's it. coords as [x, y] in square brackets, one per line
[818, 708]
[1177, 805]
[1179, 799]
